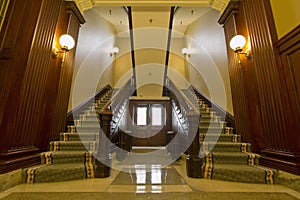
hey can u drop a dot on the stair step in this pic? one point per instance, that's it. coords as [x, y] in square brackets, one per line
[84, 129]
[216, 130]
[79, 136]
[73, 146]
[61, 157]
[225, 147]
[205, 124]
[90, 122]
[234, 158]
[241, 173]
[220, 137]
[58, 172]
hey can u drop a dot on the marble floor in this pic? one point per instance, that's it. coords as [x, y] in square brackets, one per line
[141, 179]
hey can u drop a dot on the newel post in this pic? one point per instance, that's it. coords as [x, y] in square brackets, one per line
[104, 159]
[193, 160]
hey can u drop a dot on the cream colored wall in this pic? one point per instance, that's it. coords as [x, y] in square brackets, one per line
[123, 62]
[205, 38]
[176, 68]
[286, 15]
[93, 63]
[150, 66]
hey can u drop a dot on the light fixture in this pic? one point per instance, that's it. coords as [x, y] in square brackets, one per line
[185, 52]
[114, 51]
[237, 44]
[66, 42]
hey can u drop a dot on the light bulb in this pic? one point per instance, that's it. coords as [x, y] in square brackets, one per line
[67, 42]
[237, 42]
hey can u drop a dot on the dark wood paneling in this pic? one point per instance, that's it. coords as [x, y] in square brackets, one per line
[268, 84]
[30, 77]
[235, 74]
[16, 44]
[67, 24]
[288, 53]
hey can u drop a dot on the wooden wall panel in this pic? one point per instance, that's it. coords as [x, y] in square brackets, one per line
[236, 82]
[33, 83]
[269, 84]
[14, 55]
[65, 81]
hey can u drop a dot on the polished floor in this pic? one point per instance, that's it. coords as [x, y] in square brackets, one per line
[150, 179]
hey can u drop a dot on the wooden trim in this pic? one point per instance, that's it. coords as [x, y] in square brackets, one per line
[289, 40]
[232, 8]
[132, 49]
[19, 158]
[72, 8]
[168, 46]
[285, 161]
[228, 117]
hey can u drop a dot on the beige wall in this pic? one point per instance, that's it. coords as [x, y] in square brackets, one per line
[93, 63]
[176, 68]
[123, 62]
[286, 15]
[205, 38]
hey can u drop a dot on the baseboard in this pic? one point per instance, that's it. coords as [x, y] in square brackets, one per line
[284, 161]
[21, 158]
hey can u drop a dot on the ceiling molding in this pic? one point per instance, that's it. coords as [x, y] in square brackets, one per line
[84, 4]
[219, 5]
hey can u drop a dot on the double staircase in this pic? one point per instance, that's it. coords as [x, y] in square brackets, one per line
[71, 157]
[225, 156]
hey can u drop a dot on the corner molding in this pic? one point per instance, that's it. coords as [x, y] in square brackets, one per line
[232, 8]
[219, 5]
[73, 8]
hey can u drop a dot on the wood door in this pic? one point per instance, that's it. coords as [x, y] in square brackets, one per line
[149, 125]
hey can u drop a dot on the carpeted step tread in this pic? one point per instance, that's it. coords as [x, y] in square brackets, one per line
[225, 147]
[243, 173]
[60, 157]
[79, 136]
[235, 158]
[73, 146]
[219, 137]
[55, 172]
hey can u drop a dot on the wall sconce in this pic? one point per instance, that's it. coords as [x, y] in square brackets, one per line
[237, 44]
[185, 52]
[114, 51]
[66, 42]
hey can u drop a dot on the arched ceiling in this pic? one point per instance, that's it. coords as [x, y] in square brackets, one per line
[215, 4]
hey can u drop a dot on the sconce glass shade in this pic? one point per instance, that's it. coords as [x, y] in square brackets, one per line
[67, 42]
[184, 51]
[237, 42]
[115, 50]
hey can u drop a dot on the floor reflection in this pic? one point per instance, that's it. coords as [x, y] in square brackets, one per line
[149, 175]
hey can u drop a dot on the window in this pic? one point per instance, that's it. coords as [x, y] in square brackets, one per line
[156, 116]
[142, 116]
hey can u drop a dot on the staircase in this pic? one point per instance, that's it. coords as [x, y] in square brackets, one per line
[226, 157]
[71, 157]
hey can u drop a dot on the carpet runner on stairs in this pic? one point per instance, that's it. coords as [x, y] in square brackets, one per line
[226, 157]
[71, 157]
